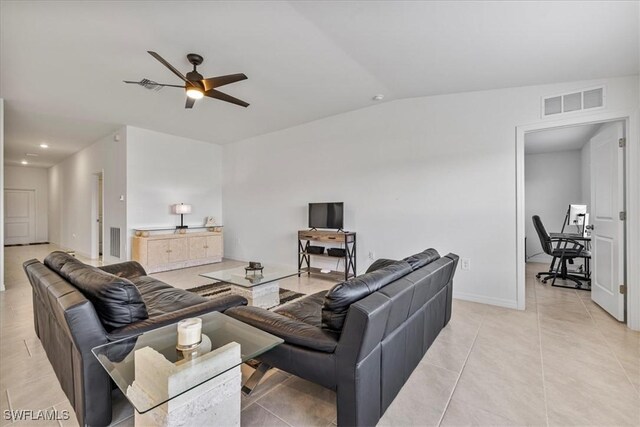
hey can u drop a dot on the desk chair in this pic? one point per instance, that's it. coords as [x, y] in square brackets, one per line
[566, 250]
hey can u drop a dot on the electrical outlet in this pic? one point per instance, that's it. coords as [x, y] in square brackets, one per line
[465, 264]
[372, 255]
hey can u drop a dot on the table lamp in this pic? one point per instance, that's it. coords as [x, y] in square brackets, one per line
[182, 209]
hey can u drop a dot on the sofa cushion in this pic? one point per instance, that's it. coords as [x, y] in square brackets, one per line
[292, 331]
[128, 269]
[423, 258]
[380, 263]
[307, 309]
[115, 299]
[161, 298]
[339, 298]
[57, 259]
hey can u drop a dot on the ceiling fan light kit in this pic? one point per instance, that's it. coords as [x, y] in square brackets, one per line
[194, 93]
[196, 86]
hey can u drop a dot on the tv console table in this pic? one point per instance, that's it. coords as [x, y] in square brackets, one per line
[346, 239]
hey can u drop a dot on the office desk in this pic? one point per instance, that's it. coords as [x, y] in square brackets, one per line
[573, 236]
[578, 237]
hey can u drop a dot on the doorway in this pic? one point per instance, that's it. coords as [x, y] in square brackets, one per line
[19, 217]
[97, 216]
[574, 191]
[606, 188]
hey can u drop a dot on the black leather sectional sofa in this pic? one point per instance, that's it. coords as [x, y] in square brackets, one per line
[77, 307]
[364, 337]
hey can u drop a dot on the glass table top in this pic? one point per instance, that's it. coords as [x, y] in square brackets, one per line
[241, 277]
[119, 357]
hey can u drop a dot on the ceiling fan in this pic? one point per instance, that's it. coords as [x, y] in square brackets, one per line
[196, 86]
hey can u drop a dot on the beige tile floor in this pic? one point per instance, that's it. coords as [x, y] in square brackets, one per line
[563, 361]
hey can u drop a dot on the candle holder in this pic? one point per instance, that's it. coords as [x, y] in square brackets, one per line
[186, 353]
[188, 347]
[189, 334]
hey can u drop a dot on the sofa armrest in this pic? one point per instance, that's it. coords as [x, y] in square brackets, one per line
[128, 269]
[217, 304]
[292, 331]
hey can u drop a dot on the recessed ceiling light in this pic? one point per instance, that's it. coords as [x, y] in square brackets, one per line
[378, 97]
[24, 162]
[44, 145]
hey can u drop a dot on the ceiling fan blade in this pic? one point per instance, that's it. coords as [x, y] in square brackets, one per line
[146, 82]
[214, 82]
[212, 93]
[164, 85]
[190, 102]
[169, 66]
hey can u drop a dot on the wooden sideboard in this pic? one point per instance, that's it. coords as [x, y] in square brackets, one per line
[162, 252]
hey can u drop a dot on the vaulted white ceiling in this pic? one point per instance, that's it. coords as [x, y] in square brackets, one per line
[63, 62]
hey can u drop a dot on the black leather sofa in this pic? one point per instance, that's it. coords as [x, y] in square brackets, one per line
[365, 336]
[77, 307]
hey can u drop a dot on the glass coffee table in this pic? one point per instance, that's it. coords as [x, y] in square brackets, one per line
[260, 288]
[164, 384]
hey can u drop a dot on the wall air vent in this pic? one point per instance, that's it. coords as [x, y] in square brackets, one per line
[114, 244]
[588, 99]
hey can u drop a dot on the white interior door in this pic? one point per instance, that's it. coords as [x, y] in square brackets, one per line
[607, 236]
[19, 217]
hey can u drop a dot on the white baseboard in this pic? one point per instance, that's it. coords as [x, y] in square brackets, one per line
[500, 302]
[542, 258]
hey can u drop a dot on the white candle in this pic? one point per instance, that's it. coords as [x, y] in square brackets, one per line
[189, 331]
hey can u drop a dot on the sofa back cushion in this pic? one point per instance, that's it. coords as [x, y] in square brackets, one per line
[423, 258]
[116, 300]
[380, 263]
[339, 298]
[57, 259]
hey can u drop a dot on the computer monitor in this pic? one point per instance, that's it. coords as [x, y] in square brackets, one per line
[576, 214]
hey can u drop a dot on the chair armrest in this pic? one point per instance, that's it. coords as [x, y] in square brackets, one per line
[563, 239]
[292, 331]
[128, 269]
[217, 304]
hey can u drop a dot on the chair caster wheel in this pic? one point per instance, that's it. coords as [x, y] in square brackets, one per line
[544, 281]
[537, 276]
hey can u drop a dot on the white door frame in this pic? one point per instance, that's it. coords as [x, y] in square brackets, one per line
[632, 194]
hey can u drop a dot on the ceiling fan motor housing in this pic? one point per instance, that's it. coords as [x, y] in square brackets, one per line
[194, 76]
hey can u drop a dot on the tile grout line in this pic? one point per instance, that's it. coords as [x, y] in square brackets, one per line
[440, 367]
[455, 385]
[256, 403]
[55, 409]
[544, 381]
[595, 325]
[10, 405]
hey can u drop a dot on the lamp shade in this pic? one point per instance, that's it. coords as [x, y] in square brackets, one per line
[182, 209]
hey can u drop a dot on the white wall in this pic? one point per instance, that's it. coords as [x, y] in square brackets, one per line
[425, 172]
[552, 182]
[71, 196]
[163, 170]
[26, 178]
[1, 198]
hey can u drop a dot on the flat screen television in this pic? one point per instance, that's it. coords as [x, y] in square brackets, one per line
[326, 215]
